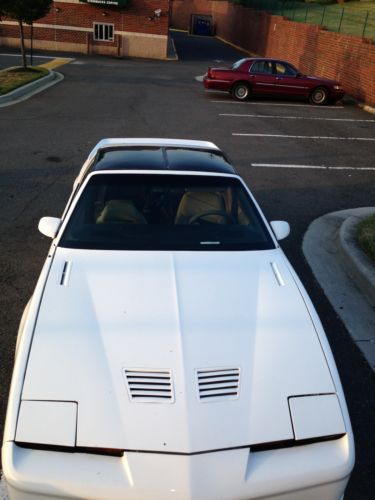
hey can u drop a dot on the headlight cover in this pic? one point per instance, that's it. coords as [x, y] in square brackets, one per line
[316, 416]
[47, 423]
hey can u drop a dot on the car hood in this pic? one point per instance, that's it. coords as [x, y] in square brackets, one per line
[106, 314]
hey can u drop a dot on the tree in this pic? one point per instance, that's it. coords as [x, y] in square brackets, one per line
[24, 11]
[2, 6]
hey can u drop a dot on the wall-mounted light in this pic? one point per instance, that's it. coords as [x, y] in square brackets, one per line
[104, 14]
[156, 15]
[57, 9]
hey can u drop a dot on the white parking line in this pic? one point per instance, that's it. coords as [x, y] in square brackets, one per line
[279, 136]
[296, 117]
[311, 167]
[35, 56]
[276, 104]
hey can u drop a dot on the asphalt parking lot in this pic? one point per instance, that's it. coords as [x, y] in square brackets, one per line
[300, 161]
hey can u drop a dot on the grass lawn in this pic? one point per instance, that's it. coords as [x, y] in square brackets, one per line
[16, 77]
[366, 236]
[355, 18]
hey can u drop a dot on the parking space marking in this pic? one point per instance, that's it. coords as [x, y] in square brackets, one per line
[276, 104]
[311, 167]
[295, 117]
[318, 137]
[56, 63]
[35, 56]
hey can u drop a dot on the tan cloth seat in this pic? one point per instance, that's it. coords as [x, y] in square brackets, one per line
[120, 211]
[194, 203]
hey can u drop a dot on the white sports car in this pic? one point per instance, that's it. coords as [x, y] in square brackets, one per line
[169, 351]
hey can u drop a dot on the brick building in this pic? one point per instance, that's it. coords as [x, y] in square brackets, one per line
[137, 28]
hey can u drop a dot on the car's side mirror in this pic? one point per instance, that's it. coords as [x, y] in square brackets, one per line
[280, 228]
[49, 226]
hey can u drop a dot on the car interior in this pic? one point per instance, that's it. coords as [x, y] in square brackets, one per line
[115, 207]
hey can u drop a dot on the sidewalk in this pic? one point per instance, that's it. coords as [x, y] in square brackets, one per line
[345, 273]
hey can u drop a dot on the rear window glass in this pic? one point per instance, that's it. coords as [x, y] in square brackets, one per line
[165, 212]
[237, 64]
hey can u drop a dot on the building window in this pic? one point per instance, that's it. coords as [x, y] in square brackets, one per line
[103, 32]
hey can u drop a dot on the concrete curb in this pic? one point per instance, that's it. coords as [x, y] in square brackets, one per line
[321, 249]
[30, 89]
[347, 99]
[171, 50]
[356, 263]
[3, 488]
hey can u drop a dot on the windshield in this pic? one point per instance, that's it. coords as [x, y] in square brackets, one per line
[165, 212]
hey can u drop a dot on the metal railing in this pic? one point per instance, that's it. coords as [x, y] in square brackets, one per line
[333, 17]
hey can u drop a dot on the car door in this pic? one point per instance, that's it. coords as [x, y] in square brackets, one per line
[288, 81]
[261, 77]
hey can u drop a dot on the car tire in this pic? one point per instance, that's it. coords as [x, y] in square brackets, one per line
[319, 96]
[241, 91]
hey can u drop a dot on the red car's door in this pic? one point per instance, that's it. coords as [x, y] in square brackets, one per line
[288, 81]
[261, 77]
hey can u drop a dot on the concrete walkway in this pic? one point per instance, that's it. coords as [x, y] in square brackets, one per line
[345, 273]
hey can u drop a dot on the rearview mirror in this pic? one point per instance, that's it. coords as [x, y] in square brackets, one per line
[49, 226]
[280, 228]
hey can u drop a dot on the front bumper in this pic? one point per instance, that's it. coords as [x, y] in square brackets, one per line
[319, 470]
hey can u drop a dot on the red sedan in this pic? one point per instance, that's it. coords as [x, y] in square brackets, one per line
[271, 77]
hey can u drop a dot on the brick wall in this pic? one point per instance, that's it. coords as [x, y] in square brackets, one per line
[313, 50]
[69, 26]
[134, 18]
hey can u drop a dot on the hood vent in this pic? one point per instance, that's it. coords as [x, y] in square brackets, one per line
[214, 385]
[154, 386]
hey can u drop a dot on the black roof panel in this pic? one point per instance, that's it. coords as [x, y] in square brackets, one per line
[162, 158]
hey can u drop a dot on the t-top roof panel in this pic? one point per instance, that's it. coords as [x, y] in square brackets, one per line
[162, 158]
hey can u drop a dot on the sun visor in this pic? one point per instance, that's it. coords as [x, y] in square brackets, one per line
[47, 422]
[316, 416]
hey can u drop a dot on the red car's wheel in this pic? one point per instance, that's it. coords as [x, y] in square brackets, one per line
[319, 96]
[241, 91]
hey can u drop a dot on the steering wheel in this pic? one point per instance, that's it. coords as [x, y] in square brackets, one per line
[196, 217]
